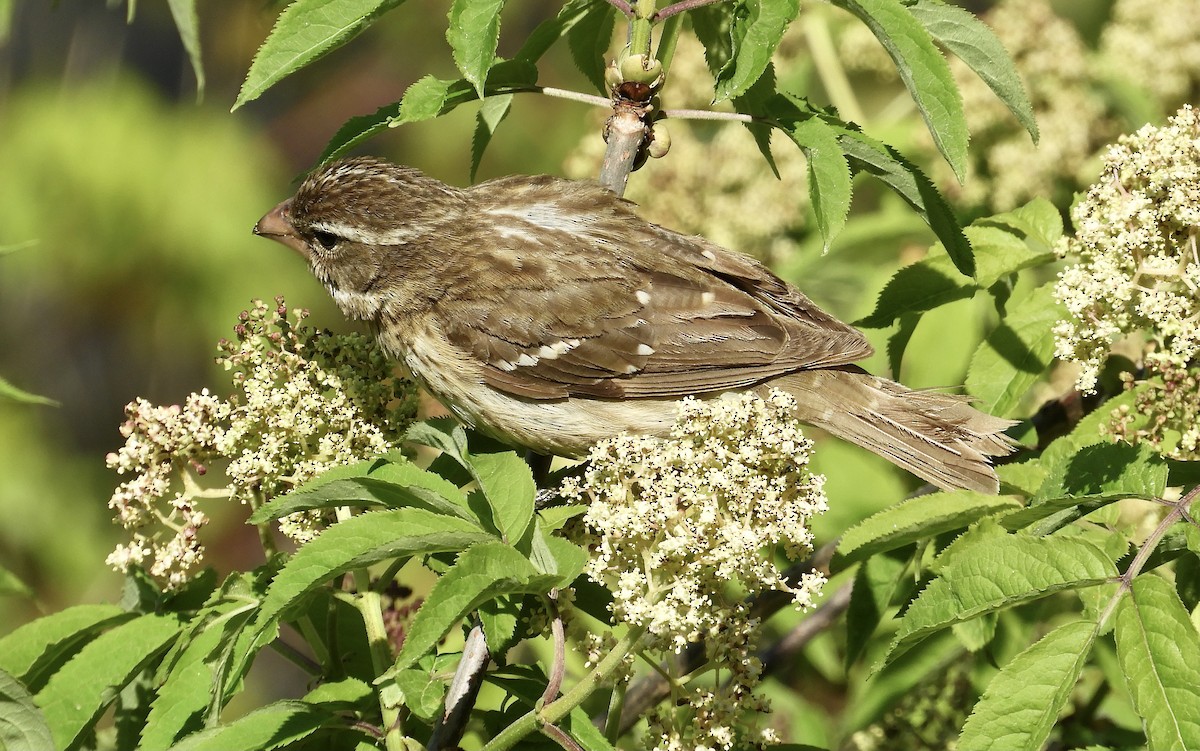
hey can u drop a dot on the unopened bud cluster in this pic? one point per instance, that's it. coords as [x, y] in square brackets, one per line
[305, 401]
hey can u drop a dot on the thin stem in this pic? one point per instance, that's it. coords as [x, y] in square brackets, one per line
[296, 657]
[559, 667]
[829, 68]
[680, 7]
[667, 39]
[575, 96]
[309, 631]
[739, 117]
[616, 704]
[551, 713]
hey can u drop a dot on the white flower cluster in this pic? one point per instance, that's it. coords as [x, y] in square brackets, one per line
[682, 529]
[1135, 241]
[307, 401]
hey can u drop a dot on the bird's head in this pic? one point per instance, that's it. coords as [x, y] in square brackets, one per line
[351, 219]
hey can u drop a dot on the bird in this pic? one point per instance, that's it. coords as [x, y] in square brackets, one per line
[547, 313]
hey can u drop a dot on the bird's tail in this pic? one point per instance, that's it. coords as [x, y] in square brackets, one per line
[940, 438]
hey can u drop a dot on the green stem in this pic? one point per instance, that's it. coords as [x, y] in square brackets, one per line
[551, 713]
[370, 607]
[667, 41]
[616, 705]
[641, 26]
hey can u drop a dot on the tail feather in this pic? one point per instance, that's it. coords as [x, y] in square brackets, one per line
[940, 438]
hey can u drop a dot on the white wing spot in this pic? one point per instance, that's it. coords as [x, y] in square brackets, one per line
[709, 255]
[505, 365]
[526, 361]
[644, 349]
[629, 369]
[642, 296]
[708, 298]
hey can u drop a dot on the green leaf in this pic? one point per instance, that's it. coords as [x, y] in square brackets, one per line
[442, 433]
[195, 680]
[78, 693]
[999, 253]
[1015, 354]
[13, 394]
[473, 34]
[304, 32]
[569, 559]
[867, 155]
[997, 572]
[482, 573]
[589, 40]
[1038, 222]
[360, 541]
[924, 72]
[918, 518]
[1021, 704]
[424, 687]
[34, 646]
[829, 185]
[269, 727]
[22, 726]
[188, 24]
[1107, 470]
[398, 485]
[917, 288]
[875, 584]
[491, 113]
[555, 517]
[974, 42]
[344, 694]
[758, 25]
[1159, 650]
[508, 485]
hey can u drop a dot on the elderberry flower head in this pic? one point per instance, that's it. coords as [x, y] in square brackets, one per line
[1136, 245]
[306, 401]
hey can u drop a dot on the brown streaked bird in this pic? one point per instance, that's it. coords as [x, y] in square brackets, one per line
[546, 312]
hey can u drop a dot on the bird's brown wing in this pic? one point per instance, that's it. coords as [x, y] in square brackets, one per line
[659, 315]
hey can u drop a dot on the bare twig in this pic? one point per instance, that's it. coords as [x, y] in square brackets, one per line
[559, 667]
[574, 96]
[738, 117]
[561, 738]
[625, 133]
[622, 6]
[460, 696]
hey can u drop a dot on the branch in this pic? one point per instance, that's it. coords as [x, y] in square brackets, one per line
[679, 7]
[622, 6]
[460, 696]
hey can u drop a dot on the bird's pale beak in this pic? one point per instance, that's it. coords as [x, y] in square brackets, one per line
[277, 226]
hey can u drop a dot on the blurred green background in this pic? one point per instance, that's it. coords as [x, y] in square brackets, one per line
[127, 207]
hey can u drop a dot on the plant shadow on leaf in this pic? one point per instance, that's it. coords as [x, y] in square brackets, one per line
[1008, 345]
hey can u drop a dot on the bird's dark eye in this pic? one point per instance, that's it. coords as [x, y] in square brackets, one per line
[327, 239]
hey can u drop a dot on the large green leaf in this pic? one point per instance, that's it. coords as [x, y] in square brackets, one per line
[473, 34]
[917, 518]
[508, 485]
[492, 112]
[1159, 650]
[757, 28]
[47, 641]
[22, 726]
[188, 24]
[306, 30]
[78, 693]
[590, 38]
[480, 574]
[974, 42]
[923, 70]
[991, 572]
[1021, 704]
[273, 726]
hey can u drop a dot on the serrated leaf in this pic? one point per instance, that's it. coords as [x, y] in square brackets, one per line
[361, 541]
[1159, 650]
[999, 253]
[917, 288]
[758, 26]
[569, 559]
[188, 24]
[22, 726]
[473, 34]
[1026, 476]
[1022, 702]
[507, 483]
[491, 113]
[589, 39]
[868, 155]
[974, 42]
[924, 72]
[1038, 221]
[78, 693]
[1107, 470]
[25, 651]
[482, 573]
[555, 517]
[13, 394]
[423, 691]
[997, 572]
[396, 485]
[304, 32]
[897, 343]
[918, 518]
[526, 683]
[193, 683]
[712, 25]
[829, 185]
[266, 728]
[1015, 354]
